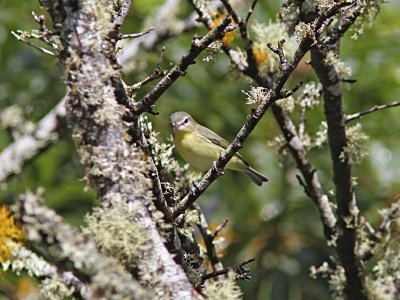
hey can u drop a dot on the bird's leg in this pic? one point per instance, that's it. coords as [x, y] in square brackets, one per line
[215, 168]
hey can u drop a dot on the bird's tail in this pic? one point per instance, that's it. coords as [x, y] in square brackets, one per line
[255, 176]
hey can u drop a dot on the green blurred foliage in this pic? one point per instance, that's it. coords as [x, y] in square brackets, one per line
[277, 224]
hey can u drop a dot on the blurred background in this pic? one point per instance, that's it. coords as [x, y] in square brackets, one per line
[276, 223]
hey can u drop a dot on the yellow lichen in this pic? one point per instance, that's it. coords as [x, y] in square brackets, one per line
[229, 36]
[11, 233]
[260, 56]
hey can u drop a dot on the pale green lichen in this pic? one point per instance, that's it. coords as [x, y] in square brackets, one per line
[271, 33]
[52, 288]
[304, 30]
[290, 15]
[325, 5]
[310, 95]
[368, 9]
[224, 289]
[24, 260]
[212, 51]
[320, 137]
[190, 264]
[341, 69]
[13, 118]
[336, 278]
[287, 104]
[116, 234]
[382, 280]
[356, 148]
[65, 243]
[278, 143]
[256, 94]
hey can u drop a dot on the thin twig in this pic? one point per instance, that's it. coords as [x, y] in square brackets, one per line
[302, 123]
[208, 240]
[378, 235]
[236, 268]
[248, 43]
[41, 49]
[44, 31]
[250, 12]
[280, 53]
[135, 35]
[158, 72]
[219, 228]
[286, 94]
[374, 108]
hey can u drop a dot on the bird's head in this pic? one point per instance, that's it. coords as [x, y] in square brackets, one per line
[182, 121]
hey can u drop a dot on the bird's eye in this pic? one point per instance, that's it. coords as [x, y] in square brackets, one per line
[186, 121]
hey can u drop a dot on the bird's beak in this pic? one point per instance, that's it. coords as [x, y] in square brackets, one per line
[173, 125]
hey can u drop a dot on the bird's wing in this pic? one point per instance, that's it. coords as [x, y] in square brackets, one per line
[219, 141]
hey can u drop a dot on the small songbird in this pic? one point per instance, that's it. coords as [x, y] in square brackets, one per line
[200, 147]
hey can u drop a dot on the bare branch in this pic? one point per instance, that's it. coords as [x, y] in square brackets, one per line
[374, 108]
[135, 35]
[41, 49]
[250, 12]
[311, 182]
[219, 228]
[208, 240]
[280, 53]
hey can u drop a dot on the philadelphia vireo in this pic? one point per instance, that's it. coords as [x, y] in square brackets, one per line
[200, 147]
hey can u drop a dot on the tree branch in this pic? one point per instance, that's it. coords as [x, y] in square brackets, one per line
[116, 167]
[121, 10]
[312, 187]
[16, 155]
[208, 238]
[241, 272]
[41, 49]
[198, 45]
[70, 251]
[374, 108]
[347, 209]
[135, 35]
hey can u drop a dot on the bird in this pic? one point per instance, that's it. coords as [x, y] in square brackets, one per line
[201, 147]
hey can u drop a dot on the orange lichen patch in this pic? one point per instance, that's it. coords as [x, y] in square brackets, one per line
[260, 56]
[10, 233]
[26, 288]
[229, 36]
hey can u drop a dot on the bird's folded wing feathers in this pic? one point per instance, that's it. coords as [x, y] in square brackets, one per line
[219, 141]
